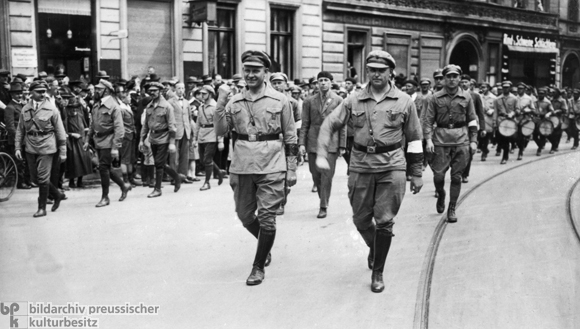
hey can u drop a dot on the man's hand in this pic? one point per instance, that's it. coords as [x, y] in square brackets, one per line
[416, 184]
[302, 149]
[482, 133]
[223, 92]
[321, 163]
[172, 148]
[18, 155]
[290, 178]
[86, 146]
[221, 146]
[429, 147]
[75, 135]
[115, 154]
[473, 147]
[62, 158]
[141, 147]
[341, 151]
[547, 115]
[489, 112]
[510, 115]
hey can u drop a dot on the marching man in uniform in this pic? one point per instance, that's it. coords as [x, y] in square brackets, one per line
[383, 119]
[453, 111]
[264, 155]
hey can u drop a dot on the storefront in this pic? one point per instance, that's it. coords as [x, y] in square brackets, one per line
[530, 59]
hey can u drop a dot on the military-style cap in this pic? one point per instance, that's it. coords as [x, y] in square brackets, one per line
[425, 81]
[413, 82]
[295, 89]
[18, 80]
[544, 89]
[4, 73]
[191, 80]
[120, 82]
[15, 87]
[279, 76]
[325, 74]
[241, 84]
[65, 93]
[206, 78]
[154, 85]
[104, 84]
[171, 82]
[237, 77]
[38, 85]
[485, 83]
[207, 89]
[522, 85]
[256, 58]
[466, 77]
[506, 83]
[42, 75]
[312, 80]
[380, 59]
[438, 73]
[102, 75]
[452, 69]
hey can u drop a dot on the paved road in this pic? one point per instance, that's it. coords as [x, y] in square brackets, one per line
[189, 254]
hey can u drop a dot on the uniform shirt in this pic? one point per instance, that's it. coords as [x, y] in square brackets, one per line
[45, 119]
[106, 117]
[205, 117]
[272, 115]
[524, 102]
[504, 105]
[560, 105]
[393, 118]
[445, 109]
[544, 107]
[128, 120]
[12, 117]
[160, 119]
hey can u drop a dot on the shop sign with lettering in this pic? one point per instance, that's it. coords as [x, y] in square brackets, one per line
[522, 41]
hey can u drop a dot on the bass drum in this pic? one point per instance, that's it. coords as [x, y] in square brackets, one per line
[555, 122]
[488, 123]
[527, 127]
[546, 127]
[565, 123]
[508, 127]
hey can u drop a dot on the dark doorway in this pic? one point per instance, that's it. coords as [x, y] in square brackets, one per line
[356, 50]
[571, 72]
[466, 56]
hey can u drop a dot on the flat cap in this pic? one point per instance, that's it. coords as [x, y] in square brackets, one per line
[506, 83]
[42, 75]
[38, 85]
[15, 87]
[438, 73]
[325, 74]
[279, 76]
[237, 77]
[380, 59]
[154, 85]
[452, 69]
[104, 84]
[425, 81]
[256, 58]
[207, 89]
[413, 82]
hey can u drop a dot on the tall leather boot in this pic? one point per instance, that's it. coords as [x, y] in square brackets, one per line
[132, 179]
[125, 188]
[368, 236]
[105, 188]
[56, 196]
[451, 217]
[42, 196]
[145, 175]
[151, 171]
[254, 228]
[177, 178]
[158, 180]
[382, 245]
[265, 243]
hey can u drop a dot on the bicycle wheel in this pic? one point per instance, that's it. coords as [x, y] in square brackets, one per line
[8, 176]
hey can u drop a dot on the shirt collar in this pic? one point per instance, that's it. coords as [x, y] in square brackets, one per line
[366, 93]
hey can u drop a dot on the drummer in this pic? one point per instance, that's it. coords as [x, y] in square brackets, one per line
[525, 110]
[560, 110]
[487, 99]
[505, 108]
[544, 109]
[574, 115]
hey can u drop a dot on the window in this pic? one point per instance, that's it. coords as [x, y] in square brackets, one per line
[519, 4]
[355, 54]
[573, 10]
[281, 45]
[221, 43]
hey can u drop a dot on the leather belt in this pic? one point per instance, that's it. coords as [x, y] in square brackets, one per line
[258, 137]
[106, 133]
[39, 133]
[159, 131]
[451, 125]
[207, 126]
[377, 149]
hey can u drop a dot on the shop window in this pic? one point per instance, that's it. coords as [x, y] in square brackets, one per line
[281, 39]
[356, 52]
[573, 10]
[221, 43]
[399, 46]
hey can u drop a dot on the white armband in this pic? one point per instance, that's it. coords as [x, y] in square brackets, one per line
[415, 147]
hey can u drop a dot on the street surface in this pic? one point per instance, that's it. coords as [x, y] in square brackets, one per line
[511, 261]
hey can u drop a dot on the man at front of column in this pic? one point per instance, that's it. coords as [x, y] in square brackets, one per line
[454, 139]
[314, 110]
[264, 155]
[383, 119]
[107, 131]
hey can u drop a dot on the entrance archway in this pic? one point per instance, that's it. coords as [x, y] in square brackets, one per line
[571, 71]
[466, 55]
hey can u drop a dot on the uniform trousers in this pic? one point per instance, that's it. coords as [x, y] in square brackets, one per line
[105, 163]
[40, 166]
[483, 142]
[160, 156]
[207, 153]
[261, 192]
[555, 137]
[445, 157]
[378, 196]
[572, 132]
[539, 139]
[322, 180]
[504, 143]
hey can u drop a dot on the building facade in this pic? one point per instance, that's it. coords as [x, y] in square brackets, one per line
[534, 41]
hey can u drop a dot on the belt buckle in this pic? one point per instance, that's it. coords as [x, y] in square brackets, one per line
[252, 137]
[451, 126]
[372, 149]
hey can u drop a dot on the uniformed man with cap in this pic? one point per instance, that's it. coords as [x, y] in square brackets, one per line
[383, 119]
[524, 110]
[454, 139]
[107, 132]
[487, 100]
[544, 110]
[438, 78]
[208, 141]
[315, 109]
[160, 121]
[560, 109]
[12, 117]
[40, 135]
[264, 155]
[505, 108]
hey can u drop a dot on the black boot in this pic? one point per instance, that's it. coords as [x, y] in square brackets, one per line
[151, 170]
[177, 178]
[382, 246]
[42, 196]
[451, 217]
[80, 182]
[254, 228]
[440, 201]
[158, 180]
[368, 236]
[265, 243]
[132, 179]
[56, 196]
[125, 188]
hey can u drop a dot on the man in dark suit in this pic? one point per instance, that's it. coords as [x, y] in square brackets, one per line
[314, 110]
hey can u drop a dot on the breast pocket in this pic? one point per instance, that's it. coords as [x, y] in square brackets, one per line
[394, 119]
[44, 122]
[273, 118]
[458, 112]
[358, 119]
